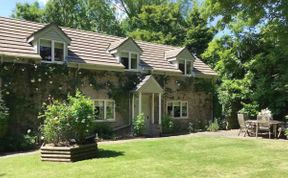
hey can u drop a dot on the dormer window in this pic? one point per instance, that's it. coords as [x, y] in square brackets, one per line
[129, 60]
[51, 51]
[182, 59]
[185, 66]
[46, 50]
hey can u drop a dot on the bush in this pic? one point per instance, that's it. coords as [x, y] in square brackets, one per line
[138, 125]
[69, 122]
[3, 118]
[214, 126]
[18, 143]
[104, 131]
[168, 126]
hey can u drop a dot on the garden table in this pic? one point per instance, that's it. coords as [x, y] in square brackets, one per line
[273, 123]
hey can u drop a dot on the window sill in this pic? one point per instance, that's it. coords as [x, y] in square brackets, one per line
[179, 118]
[131, 70]
[54, 62]
[108, 120]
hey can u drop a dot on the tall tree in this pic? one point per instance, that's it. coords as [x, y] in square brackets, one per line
[26, 11]
[82, 14]
[169, 24]
[198, 33]
[259, 50]
[133, 7]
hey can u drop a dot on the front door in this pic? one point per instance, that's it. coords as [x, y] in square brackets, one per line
[146, 109]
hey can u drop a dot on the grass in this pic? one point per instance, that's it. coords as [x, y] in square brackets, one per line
[166, 157]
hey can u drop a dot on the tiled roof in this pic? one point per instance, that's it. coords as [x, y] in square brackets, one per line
[173, 53]
[86, 47]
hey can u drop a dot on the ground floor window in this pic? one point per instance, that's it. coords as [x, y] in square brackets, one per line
[177, 109]
[104, 109]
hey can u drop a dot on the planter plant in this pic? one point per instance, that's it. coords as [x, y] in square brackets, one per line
[68, 130]
[286, 133]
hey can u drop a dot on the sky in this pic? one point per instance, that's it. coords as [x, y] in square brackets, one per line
[7, 6]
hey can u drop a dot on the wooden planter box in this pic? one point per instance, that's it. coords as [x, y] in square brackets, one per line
[68, 154]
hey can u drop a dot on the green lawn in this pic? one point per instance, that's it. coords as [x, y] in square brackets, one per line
[166, 157]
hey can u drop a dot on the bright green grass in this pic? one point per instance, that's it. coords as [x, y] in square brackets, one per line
[166, 157]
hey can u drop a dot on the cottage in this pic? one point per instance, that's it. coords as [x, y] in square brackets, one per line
[123, 76]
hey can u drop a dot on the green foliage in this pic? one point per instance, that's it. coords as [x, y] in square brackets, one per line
[104, 131]
[81, 14]
[18, 142]
[214, 126]
[168, 24]
[251, 60]
[27, 11]
[67, 121]
[138, 125]
[3, 118]
[168, 126]
[190, 127]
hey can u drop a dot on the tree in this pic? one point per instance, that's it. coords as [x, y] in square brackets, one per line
[169, 24]
[82, 14]
[26, 11]
[198, 34]
[159, 23]
[133, 7]
[251, 62]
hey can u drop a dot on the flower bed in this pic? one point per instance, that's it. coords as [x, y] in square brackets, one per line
[68, 154]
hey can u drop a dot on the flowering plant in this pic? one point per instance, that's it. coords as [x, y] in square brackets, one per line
[69, 121]
[265, 114]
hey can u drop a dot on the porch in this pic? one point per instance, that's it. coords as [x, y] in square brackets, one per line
[147, 99]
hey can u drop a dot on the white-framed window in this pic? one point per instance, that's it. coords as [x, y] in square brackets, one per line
[104, 110]
[130, 60]
[185, 66]
[52, 51]
[177, 109]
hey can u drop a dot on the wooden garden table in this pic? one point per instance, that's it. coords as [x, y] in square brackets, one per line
[273, 123]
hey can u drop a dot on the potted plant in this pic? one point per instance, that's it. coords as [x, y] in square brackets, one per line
[67, 130]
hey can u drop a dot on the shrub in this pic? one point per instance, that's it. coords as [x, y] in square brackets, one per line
[213, 127]
[190, 127]
[286, 132]
[104, 131]
[138, 125]
[18, 143]
[3, 118]
[168, 126]
[69, 122]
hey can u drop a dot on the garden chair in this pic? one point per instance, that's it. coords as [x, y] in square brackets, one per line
[264, 117]
[242, 124]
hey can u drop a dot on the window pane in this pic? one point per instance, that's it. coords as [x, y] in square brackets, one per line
[170, 108]
[134, 61]
[59, 51]
[45, 50]
[125, 62]
[99, 110]
[177, 109]
[184, 109]
[110, 110]
[188, 67]
[182, 67]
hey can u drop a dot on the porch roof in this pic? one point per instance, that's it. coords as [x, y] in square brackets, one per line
[149, 85]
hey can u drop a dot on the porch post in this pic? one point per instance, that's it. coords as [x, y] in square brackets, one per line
[140, 102]
[159, 108]
[152, 108]
[133, 107]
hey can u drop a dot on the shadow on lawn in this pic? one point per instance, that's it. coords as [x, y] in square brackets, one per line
[2, 174]
[108, 153]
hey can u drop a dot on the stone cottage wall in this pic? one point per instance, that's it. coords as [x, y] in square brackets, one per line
[198, 94]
